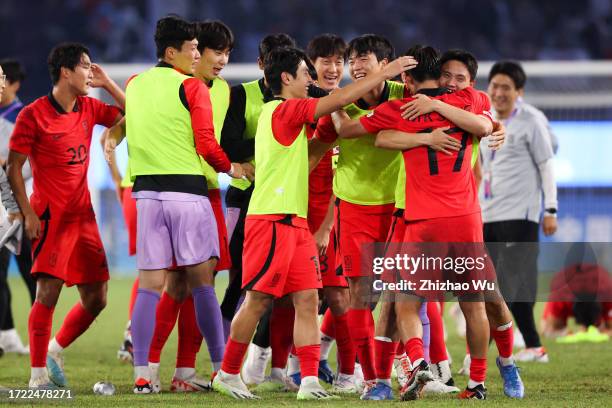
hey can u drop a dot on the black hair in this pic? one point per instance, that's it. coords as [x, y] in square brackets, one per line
[215, 35]
[13, 70]
[65, 55]
[465, 57]
[273, 41]
[512, 69]
[173, 31]
[428, 63]
[284, 59]
[325, 45]
[370, 43]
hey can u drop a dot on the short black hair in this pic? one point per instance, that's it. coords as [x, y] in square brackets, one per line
[370, 43]
[273, 41]
[215, 35]
[466, 58]
[325, 45]
[284, 59]
[513, 69]
[65, 55]
[173, 31]
[428, 63]
[13, 70]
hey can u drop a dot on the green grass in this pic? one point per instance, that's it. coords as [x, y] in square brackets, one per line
[578, 375]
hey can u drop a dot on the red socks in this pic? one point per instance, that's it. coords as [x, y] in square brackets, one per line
[75, 323]
[309, 360]
[344, 343]
[189, 336]
[165, 319]
[478, 369]
[328, 324]
[39, 330]
[281, 335]
[133, 295]
[385, 353]
[414, 349]
[504, 340]
[437, 348]
[234, 354]
[361, 328]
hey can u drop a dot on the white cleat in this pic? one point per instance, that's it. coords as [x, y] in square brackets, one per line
[11, 342]
[275, 384]
[155, 378]
[344, 384]
[231, 385]
[533, 354]
[402, 368]
[42, 383]
[519, 341]
[359, 379]
[191, 384]
[465, 368]
[254, 369]
[438, 387]
[314, 391]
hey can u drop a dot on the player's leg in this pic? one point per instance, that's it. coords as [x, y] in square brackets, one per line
[477, 326]
[189, 343]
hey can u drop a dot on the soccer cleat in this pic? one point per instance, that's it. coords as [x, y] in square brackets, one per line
[519, 341]
[535, 354]
[591, 335]
[42, 383]
[438, 387]
[55, 367]
[478, 392]
[359, 380]
[296, 378]
[276, 384]
[325, 372]
[465, 368]
[513, 384]
[367, 386]
[155, 378]
[254, 369]
[314, 391]
[380, 392]
[192, 384]
[126, 351]
[143, 386]
[417, 379]
[231, 385]
[344, 384]
[402, 368]
[11, 342]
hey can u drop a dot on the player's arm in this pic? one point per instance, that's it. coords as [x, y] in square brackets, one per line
[102, 80]
[478, 125]
[112, 165]
[438, 140]
[321, 236]
[347, 128]
[16, 161]
[316, 150]
[356, 90]
[114, 136]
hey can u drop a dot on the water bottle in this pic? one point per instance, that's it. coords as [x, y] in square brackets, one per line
[104, 388]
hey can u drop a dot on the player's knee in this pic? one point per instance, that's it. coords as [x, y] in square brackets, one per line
[337, 302]
[306, 301]
[95, 304]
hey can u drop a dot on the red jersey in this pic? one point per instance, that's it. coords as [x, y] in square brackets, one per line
[57, 145]
[321, 177]
[437, 185]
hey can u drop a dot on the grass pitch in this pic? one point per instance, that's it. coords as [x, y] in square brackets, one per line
[577, 375]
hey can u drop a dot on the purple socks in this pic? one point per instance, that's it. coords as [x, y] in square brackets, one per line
[426, 330]
[143, 325]
[210, 322]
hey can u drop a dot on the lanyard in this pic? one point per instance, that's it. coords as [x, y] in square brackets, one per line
[14, 106]
[506, 123]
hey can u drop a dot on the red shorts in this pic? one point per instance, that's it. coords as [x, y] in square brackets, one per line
[225, 261]
[441, 241]
[330, 275]
[565, 310]
[129, 215]
[279, 258]
[357, 225]
[70, 250]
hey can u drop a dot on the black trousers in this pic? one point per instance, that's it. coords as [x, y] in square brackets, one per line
[24, 262]
[513, 246]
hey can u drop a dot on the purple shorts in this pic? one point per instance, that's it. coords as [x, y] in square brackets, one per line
[174, 227]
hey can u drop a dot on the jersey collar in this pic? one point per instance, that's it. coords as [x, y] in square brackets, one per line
[58, 108]
[433, 91]
[384, 97]
[163, 64]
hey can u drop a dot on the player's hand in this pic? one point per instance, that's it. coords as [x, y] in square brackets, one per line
[549, 225]
[442, 142]
[236, 171]
[249, 170]
[398, 66]
[100, 78]
[498, 137]
[32, 225]
[109, 147]
[321, 238]
[12, 217]
[421, 105]
[119, 191]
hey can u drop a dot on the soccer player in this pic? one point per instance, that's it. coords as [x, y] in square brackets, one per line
[514, 181]
[277, 214]
[432, 202]
[54, 134]
[238, 140]
[170, 129]
[10, 106]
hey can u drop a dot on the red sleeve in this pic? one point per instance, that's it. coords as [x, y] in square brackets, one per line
[484, 106]
[471, 100]
[326, 132]
[24, 133]
[103, 113]
[290, 116]
[200, 108]
[383, 117]
[129, 79]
